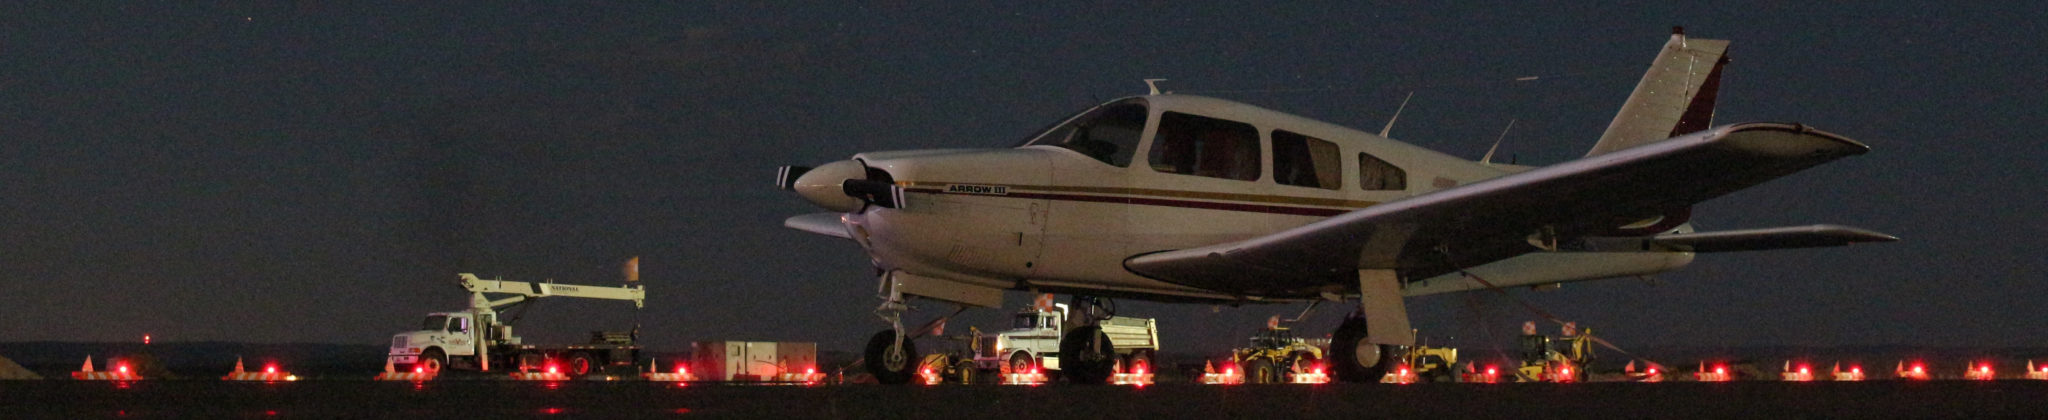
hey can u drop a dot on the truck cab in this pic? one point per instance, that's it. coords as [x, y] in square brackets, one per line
[1033, 340]
[442, 334]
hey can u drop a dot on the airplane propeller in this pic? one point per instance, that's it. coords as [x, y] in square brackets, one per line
[843, 186]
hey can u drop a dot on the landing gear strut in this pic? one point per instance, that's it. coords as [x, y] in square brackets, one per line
[1086, 354]
[890, 356]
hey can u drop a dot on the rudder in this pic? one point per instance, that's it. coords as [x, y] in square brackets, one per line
[1676, 96]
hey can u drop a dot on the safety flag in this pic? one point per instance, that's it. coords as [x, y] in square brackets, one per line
[633, 269]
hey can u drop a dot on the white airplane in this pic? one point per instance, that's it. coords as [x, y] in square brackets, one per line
[1182, 198]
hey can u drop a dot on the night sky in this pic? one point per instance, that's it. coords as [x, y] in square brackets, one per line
[272, 172]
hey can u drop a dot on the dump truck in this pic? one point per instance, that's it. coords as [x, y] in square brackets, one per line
[1033, 344]
[478, 339]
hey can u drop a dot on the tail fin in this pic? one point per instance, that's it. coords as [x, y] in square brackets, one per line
[1675, 97]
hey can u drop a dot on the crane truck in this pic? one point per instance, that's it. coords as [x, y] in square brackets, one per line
[477, 339]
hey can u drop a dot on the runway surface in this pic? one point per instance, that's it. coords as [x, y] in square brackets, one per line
[489, 399]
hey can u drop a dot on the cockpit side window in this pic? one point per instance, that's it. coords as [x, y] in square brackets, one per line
[1203, 146]
[1305, 161]
[1108, 134]
[1378, 175]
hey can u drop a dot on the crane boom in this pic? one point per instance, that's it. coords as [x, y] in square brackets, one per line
[529, 290]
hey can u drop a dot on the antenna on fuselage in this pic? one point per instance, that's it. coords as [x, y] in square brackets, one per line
[1397, 115]
[1153, 84]
[1488, 160]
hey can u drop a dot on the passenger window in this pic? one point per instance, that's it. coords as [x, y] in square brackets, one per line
[1204, 146]
[1378, 175]
[1305, 161]
[460, 325]
[1110, 134]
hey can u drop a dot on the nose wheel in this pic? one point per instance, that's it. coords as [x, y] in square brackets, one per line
[1086, 354]
[892, 361]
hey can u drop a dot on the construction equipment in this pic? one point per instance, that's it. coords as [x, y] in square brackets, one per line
[1429, 364]
[1276, 355]
[1555, 359]
[477, 339]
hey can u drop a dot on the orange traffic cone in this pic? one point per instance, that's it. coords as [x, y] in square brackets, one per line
[388, 368]
[88, 364]
[1207, 367]
[238, 365]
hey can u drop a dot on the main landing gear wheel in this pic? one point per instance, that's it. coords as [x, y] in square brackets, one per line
[890, 364]
[1086, 356]
[1355, 360]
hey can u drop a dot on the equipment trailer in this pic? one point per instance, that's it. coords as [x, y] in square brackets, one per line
[475, 339]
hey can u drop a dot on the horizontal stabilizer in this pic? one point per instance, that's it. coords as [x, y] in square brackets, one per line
[1770, 238]
[827, 224]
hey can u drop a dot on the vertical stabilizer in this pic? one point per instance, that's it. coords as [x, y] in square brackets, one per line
[1676, 96]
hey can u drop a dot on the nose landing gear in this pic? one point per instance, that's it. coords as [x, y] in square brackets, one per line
[1086, 354]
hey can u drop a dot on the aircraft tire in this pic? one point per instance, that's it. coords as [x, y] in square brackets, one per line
[890, 369]
[1086, 356]
[1353, 359]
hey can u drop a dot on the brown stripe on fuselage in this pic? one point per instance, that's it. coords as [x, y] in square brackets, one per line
[1165, 198]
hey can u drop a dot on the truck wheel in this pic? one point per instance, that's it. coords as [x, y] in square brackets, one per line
[1259, 371]
[1355, 360]
[1021, 363]
[432, 361]
[580, 364]
[1304, 362]
[890, 366]
[966, 370]
[1087, 356]
[1141, 362]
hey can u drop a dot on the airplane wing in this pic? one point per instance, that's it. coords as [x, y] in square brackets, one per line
[1491, 220]
[827, 224]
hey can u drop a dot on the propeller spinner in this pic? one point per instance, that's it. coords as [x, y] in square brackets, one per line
[843, 186]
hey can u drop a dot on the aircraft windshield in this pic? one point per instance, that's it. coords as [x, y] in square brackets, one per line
[435, 323]
[1108, 133]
